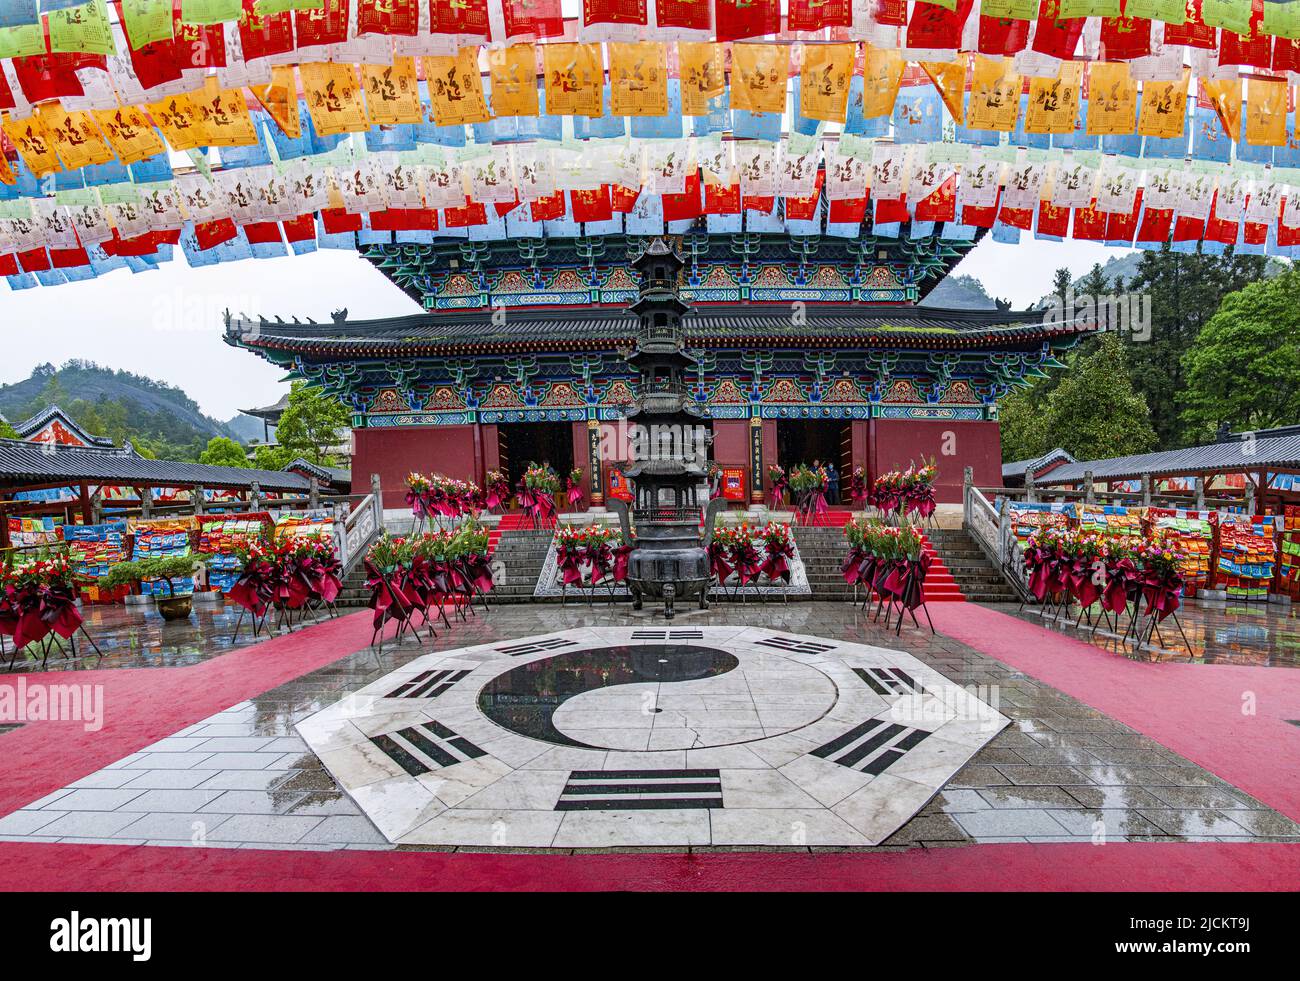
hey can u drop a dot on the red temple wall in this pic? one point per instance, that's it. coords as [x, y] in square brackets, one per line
[953, 446]
[454, 451]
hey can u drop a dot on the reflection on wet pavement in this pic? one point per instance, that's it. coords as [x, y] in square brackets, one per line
[138, 637]
[1246, 634]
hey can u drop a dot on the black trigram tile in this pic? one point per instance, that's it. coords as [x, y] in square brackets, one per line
[889, 681]
[425, 747]
[797, 646]
[536, 647]
[872, 747]
[667, 635]
[430, 684]
[640, 790]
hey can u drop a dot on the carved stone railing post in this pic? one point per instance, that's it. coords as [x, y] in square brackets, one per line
[377, 493]
[1031, 492]
[1146, 490]
[1089, 489]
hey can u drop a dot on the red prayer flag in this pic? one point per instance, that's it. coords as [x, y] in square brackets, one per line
[847, 211]
[613, 11]
[1002, 36]
[263, 35]
[401, 17]
[694, 15]
[323, 25]
[1155, 224]
[891, 210]
[1123, 38]
[338, 221]
[736, 19]
[623, 199]
[538, 18]
[679, 207]
[1192, 32]
[548, 208]
[935, 27]
[1055, 35]
[300, 229]
[212, 233]
[814, 15]
[1053, 220]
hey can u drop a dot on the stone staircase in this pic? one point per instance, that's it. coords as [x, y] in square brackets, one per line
[979, 580]
[823, 548]
[520, 555]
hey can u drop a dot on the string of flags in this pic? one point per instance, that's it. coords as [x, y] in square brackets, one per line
[308, 123]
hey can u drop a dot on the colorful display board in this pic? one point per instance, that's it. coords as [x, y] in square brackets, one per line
[1193, 533]
[1247, 555]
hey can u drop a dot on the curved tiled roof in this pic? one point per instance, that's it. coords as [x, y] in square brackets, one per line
[1243, 452]
[23, 463]
[822, 325]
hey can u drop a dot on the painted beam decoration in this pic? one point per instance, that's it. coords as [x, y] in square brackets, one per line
[346, 123]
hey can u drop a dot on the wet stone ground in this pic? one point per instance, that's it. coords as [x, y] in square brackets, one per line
[1213, 632]
[244, 778]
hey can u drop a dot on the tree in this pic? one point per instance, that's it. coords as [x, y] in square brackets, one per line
[222, 451]
[1023, 423]
[1185, 292]
[1061, 282]
[1244, 367]
[311, 424]
[273, 457]
[7, 431]
[1094, 412]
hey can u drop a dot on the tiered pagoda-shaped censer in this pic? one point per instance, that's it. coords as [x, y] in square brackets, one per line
[670, 440]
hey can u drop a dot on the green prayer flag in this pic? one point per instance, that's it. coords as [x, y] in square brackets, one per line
[210, 11]
[1010, 9]
[1282, 19]
[268, 7]
[19, 42]
[1231, 15]
[82, 30]
[1169, 11]
[147, 21]
[1089, 8]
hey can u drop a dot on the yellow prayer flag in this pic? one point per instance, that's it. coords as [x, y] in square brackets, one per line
[759, 73]
[456, 88]
[129, 133]
[703, 75]
[514, 80]
[180, 120]
[280, 99]
[994, 100]
[638, 79]
[34, 142]
[1054, 102]
[75, 136]
[393, 93]
[7, 175]
[880, 80]
[824, 81]
[1225, 95]
[949, 77]
[333, 98]
[1266, 112]
[225, 116]
[1112, 99]
[1164, 107]
[575, 79]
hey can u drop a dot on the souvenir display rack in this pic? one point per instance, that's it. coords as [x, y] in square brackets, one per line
[1247, 555]
[1193, 534]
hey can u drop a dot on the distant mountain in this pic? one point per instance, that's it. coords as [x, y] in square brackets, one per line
[959, 293]
[121, 405]
[246, 429]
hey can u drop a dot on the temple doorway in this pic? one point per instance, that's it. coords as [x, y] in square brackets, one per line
[522, 443]
[812, 440]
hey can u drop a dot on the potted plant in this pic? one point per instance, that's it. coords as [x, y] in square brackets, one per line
[170, 569]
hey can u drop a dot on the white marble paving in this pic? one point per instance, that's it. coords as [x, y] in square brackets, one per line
[799, 748]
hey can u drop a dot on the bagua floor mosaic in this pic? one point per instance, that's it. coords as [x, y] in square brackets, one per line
[549, 585]
[667, 736]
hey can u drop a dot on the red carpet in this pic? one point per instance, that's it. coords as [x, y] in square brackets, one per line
[1198, 710]
[143, 705]
[1119, 866]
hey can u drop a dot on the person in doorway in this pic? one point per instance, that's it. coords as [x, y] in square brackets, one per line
[832, 484]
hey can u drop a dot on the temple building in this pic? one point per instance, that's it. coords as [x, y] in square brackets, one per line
[803, 349]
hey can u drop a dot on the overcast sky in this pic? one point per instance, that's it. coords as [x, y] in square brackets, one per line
[167, 324]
